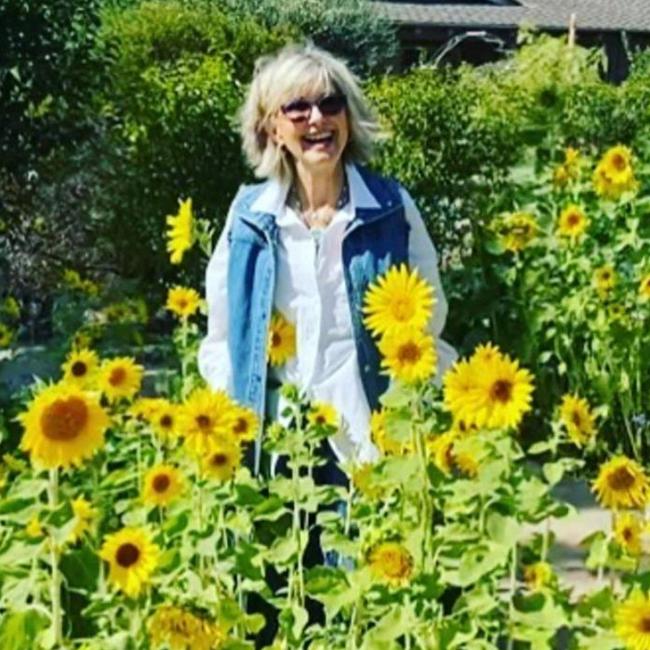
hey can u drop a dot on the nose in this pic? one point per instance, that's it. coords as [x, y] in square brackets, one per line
[315, 115]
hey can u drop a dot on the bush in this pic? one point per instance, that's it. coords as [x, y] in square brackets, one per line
[348, 28]
[47, 69]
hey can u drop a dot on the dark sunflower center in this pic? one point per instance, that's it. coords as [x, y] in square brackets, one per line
[64, 419]
[182, 303]
[161, 483]
[219, 459]
[402, 308]
[621, 479]
[644, 624]
[241, 426]
[501, 390]
[79, 369]
[320, 419]
[576, 418]
[127, 555]
[409, 353]
[203, 421]
[276, 339]
[627, 534]
[619, 162]
[166, 421]
[117, 377]
[573, 219]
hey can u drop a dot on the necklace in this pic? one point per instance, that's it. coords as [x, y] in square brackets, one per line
[312, 218]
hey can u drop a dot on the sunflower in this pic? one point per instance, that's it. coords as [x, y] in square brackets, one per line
[459, 387]
[492, 394]
[322, 414]
[386, 444]
[604, 279]
[180, 629]
[63, 426]
[644, 287]
[205, 416]
[132, 558]
[282, 340]
[486, 353]
[572, 157]
[390, 562]
[467, 454]
[561, 176]
[221, 460]
[621, 483]
[632, 621]
[572, 222]
[164, 420]
[364, 483]
[34, 529]
[628, 532]
[180, 236]
[244, 424]
[515, 230]
[81, 367]
[538, 575]
[441, 449]
[183, 301]
[617, 163]
[144, 408]
[614, 174]
[578, 419]
[408, 354]
[162, 485]
[84, 515]
[6, 336]
[120, 378]
[399, 298]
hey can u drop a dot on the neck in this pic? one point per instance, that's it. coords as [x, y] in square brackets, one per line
[319, 189]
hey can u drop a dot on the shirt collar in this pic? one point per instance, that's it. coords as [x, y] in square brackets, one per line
[274, 195]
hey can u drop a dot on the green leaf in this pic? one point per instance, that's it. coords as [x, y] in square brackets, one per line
[504, 530]
[81, 568]
[18, 630]
[479, 561]
[398, 395]
[397, 622]
[10, 506]
[321, 579]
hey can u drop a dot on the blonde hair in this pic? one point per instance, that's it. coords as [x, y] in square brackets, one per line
[298, 70]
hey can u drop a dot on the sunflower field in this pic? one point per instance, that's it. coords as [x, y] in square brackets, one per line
[129, 518]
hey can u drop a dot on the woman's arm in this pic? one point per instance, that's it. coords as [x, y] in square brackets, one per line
[423, 256]
[213, 356]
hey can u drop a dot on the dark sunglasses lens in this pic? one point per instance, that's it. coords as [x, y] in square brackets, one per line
[296, 108]
[332, 104]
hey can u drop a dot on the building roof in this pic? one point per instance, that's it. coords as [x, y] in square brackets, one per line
[601, 15]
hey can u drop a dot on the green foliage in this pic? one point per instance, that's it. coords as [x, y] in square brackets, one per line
[348, 28]
[48, 67]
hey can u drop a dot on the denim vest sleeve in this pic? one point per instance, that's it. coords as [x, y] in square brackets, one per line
[250, 287]
[213, 357]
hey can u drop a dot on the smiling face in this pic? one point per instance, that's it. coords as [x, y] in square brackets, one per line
[317, 141]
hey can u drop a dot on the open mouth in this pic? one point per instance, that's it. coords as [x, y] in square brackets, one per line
[318, 139]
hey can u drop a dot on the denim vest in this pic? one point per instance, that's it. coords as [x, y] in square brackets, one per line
[374, 240]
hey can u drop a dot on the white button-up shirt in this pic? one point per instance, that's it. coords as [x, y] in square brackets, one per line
[310, 292]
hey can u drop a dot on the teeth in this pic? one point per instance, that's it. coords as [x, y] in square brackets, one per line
[316, 138]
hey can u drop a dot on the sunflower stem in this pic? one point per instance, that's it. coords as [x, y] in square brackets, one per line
[511, 592]
[55, 583]
[295, 475]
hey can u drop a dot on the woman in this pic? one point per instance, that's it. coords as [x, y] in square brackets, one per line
[306, 243]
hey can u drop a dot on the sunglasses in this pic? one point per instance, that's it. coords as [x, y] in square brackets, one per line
[298, 110]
